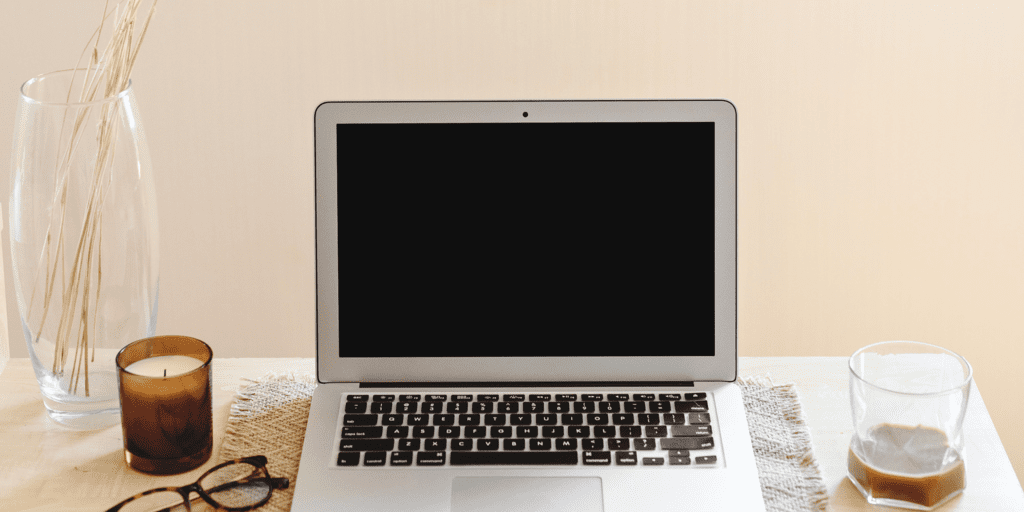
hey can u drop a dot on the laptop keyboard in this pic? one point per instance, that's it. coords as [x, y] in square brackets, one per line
[656, 429]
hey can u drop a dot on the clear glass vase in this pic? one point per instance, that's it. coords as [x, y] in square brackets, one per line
[84, 238]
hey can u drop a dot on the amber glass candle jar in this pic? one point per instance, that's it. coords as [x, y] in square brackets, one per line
[165, 388]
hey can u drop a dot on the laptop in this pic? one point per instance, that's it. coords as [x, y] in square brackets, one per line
[526, 306]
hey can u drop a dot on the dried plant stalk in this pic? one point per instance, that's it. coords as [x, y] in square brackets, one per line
[107, 74]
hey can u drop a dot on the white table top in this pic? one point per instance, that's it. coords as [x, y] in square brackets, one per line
[44, 466]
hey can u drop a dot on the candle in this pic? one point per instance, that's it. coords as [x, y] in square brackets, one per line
[166, 420]
[164, 366]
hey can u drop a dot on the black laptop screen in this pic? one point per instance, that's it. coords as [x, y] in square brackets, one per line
[582, 239]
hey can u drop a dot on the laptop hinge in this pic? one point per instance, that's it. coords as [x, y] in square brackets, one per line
[551, 384]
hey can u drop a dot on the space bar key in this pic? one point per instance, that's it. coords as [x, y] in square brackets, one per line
[514, 458]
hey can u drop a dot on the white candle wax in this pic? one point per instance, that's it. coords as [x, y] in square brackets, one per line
[164, 366]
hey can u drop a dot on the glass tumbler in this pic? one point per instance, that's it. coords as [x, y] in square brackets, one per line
[908, 401]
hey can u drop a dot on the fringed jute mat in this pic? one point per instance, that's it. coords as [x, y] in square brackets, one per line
[269, 417]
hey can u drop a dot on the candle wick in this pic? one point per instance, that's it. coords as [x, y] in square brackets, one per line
[165, 372]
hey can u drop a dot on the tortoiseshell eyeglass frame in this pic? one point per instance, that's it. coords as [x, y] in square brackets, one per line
[259, 461]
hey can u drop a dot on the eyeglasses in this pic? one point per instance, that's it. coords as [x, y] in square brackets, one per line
[235, 485]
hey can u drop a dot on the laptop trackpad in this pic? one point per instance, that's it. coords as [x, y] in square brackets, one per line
[526, 494]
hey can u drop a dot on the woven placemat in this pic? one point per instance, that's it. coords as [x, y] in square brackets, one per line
[269, 417]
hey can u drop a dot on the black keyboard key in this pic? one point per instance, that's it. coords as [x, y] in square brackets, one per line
[633, 431]
[501, 432]
[530, 458]
[533, 407]
[597, 419]
[367, 445]
[695, 396]
[608, 407]
[383, 398]
[634, 407]
[417, 419]
[623, 419]
[656, 431]
[540, 444]
[644, 444]
[557, 431]
[687, 443]
[462, 398]
[572, 419]
[654, 461]
[678, 461]
[508, 407]
[361, 432]
[380, 407]
[540, 398]
[358, 398]
[401, 458]
[618, 444]
[604, 431]
[597, 458]
[435, 445]
[407, 407]
[457, 407]
[547, 419]
[643, 397]
[618, 397]
[423, 432]
[396, 432]
[521, 419]
[444, 420]
[355, 407]
[670, 397]
[355, 420]
[449, 432]
[559, 406]
[462, 444]
[660, 407]
[566, 397]
[591, 397]
[469, 419]
[706, 459]
[494, 419]
[625, 458]
[393, 419]
[584, 407]
[432, 407]
[476, 431]
[513, 444]
[348, 459]
[526, 431]
[482, 407]
[593, 444]
[579, 431]
[517, 397]
[437, 398]
[408, 445]
[698, 406]
[430, 458]
[487, 398]
[649, 419]
[699, 418]
[566, 444]
[410, 398]
[674, 419]
[486, 444]
[691, 430]
[375, 458]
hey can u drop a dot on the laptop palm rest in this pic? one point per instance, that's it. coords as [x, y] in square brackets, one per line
[526, 494]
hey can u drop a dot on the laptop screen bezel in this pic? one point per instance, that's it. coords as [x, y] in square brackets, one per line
[333, 368]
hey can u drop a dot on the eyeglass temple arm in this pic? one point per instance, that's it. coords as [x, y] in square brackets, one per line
[274, 483]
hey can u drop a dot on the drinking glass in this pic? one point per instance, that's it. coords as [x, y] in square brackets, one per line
[908, 401]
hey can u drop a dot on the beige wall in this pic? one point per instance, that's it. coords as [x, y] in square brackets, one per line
[880, 149]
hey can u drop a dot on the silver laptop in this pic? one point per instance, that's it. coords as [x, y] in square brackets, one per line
[526, 305]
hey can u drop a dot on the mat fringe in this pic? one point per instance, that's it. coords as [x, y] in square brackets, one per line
[780, 492]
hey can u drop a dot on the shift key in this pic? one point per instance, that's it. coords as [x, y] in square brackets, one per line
[687, 443]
